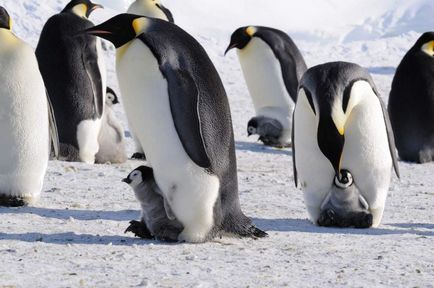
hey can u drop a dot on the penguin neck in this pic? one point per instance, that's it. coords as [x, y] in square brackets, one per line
[7, 37]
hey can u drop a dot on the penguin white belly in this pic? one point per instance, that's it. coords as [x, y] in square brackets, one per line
[315, 172]
[147, 10]
[88, 130]
[23, 122]
[263, 74]
[190, 190]
[366, 151]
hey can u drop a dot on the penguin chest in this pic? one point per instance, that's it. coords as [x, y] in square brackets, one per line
[188, 188]
[263, 74]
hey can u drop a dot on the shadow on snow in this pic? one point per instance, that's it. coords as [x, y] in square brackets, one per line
[260, 148]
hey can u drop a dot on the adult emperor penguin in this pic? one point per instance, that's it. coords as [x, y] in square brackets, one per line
[73, 69]
[151, 8]
[182, 121]
[111, 137]
[24, 120]
[343, 146]
[272, 66]
[411, 102]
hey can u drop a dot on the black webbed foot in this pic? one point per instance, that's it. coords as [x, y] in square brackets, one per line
[327, 218]
[139, 229]
[12, 201]
[363, 220]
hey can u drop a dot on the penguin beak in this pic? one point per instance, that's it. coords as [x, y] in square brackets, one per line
[126, 180]
[95, 6]
[231, 46]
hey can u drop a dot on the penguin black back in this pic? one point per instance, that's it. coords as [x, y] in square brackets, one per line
[411, 102]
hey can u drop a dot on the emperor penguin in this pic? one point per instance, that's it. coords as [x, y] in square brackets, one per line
[156, 220]
[344, 147]
[74, 72]
[111, 137]
[24, 120]
[411, 102]
[179, 110]
[272, 66]
[155, 9]
[151, 8]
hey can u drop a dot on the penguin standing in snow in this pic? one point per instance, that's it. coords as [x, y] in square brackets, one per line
[24, 120]
[343, 148]
[411, 102]
[182, 121]
[73, 69]
[155, 9]
[151, 8]
[111, 137]
[272, 66]
[157, 220]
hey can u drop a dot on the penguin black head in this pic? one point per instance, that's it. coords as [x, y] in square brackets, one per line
[344, 180]
[139, 175]
[5, 19]
[241, 37]
[112, 98]
[425, 43]
[82, 8]
[120, 29]
[327, 88]
[252, 126]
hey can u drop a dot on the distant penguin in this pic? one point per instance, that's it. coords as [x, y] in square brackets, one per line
[343, 148]
[151, 8]
[411, 102]
[24, 120]
[73, 69]
[183, 122]
[272, 66]
[111, 137]
[156, 216]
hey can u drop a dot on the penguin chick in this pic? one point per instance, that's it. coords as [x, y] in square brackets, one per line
[156, 217]
[268, 129]
[111, 137]
[344, 206]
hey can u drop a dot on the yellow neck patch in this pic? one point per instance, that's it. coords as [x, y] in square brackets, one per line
[251, 31]
[80, 10]
[140, 25]
[428, 48]
[10, 23]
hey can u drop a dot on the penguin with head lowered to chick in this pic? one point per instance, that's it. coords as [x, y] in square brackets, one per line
[411, 102]
[343, 148]
[111, 137]
[178, 108]
[73, 69]
[157, 220]
[272, 66]
[26, 125]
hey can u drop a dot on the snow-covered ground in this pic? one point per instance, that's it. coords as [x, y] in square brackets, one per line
[74, 236]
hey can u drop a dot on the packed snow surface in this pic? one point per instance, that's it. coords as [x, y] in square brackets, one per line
[74, 236]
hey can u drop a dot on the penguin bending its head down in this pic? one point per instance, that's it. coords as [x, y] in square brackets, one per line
[411, 102]
[272, 66]
[150, 8]
[178, 108]
[343, 148]
[156, 216]
[25, 123]
[73, 69]
[111, 137]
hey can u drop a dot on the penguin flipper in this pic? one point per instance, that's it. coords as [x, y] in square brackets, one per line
[95, 78]
[53, 132]
[294, 167]
[184, 104]
[390, 137]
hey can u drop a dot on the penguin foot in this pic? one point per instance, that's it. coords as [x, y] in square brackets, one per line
[12, 201]
[138, 156]
[139, 229]
[167, 234]
[329, 218]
